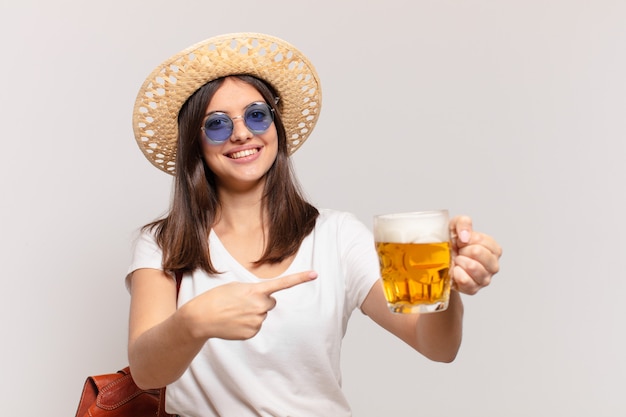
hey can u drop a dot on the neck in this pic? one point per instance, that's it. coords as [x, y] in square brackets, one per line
[240, 210]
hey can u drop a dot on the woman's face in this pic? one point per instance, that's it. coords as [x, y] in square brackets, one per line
[242, 161]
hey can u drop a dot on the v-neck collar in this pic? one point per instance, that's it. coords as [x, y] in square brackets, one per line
[295, 266]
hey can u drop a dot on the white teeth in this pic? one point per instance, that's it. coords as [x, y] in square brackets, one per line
[242, 154]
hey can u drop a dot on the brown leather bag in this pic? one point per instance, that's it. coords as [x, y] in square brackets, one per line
[117, 395]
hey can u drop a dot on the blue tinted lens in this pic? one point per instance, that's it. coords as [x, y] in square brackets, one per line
[218, 127]
[258, 117]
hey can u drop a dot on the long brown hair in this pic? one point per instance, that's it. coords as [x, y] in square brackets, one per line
[183, 233]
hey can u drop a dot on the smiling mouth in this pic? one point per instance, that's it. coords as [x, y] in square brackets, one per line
[243, 154]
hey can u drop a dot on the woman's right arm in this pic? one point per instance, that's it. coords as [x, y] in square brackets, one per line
[160, 343]
[163, 340]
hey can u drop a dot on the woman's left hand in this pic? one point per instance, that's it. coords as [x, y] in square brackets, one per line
[475, 256]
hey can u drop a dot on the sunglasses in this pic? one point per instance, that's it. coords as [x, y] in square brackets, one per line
[257, 117]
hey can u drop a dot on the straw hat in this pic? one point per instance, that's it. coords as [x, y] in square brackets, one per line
[285, 68]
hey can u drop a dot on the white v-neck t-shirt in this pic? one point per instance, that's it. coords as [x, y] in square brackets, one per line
[292, 366]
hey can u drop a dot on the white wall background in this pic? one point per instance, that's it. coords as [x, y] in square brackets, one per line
[510, 111]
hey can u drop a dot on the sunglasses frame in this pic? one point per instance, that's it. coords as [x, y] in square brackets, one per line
[232, 122]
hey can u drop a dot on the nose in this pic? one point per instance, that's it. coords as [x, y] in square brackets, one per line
[241, 132]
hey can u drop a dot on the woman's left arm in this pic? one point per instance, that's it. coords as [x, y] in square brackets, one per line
[438, 335]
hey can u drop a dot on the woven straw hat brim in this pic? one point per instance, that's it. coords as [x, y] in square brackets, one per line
[165, 90]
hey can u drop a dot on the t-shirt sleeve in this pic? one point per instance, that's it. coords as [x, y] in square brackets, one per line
[361, 267]
[146, 254]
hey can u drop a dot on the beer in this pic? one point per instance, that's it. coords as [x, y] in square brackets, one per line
[415, 274]
[414, 255]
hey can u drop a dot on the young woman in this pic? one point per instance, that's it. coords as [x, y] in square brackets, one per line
[267, 281]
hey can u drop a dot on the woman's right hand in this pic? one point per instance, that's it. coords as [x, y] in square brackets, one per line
[236, 311]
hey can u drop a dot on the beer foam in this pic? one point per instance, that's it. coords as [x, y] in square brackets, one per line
[426, 227]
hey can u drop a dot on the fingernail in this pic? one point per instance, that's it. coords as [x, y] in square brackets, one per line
[312, 275]
[464, 236]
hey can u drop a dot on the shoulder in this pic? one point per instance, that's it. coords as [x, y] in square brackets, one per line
[145, 242]
[328, 217]
[341, 222]
[145, 235]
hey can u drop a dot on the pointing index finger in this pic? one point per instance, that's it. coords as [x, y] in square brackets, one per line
[282, 283]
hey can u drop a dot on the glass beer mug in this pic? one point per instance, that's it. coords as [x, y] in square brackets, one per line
[414, 255]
